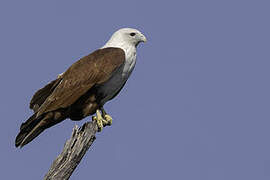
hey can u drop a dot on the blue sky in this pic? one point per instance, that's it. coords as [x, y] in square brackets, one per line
[196, 106]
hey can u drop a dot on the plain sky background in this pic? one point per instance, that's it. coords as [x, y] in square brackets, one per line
[195, 108]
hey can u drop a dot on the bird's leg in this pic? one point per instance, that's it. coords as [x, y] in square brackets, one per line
[108, 118]
[98, 118]
[102, 119]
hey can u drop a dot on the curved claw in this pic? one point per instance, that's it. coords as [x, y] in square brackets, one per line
[102, 120]
[108, 120]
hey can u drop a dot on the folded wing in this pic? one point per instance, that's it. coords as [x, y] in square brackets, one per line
[95, 68]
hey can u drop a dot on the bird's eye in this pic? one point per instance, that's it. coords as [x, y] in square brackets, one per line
[132, 34]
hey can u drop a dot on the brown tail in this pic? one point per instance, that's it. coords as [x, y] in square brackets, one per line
[30, 129]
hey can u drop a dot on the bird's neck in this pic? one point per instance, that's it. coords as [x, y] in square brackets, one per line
[128, 48]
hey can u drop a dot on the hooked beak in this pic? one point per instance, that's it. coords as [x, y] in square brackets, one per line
[143, 38]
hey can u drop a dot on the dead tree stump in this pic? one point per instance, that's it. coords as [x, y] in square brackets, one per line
[73, 152]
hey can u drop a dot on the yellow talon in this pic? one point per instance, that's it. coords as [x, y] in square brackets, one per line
[102, 120]
[98, 118]
[108, 119]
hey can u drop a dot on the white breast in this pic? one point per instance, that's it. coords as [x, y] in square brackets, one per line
[113, 85]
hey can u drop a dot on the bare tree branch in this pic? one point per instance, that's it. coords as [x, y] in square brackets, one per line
[73, 152]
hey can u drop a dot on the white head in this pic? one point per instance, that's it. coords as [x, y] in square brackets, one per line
[126, 37]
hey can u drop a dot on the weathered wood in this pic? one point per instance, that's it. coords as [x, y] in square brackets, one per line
[74, 150]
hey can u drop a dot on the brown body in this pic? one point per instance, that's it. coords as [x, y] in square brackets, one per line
[73, 95]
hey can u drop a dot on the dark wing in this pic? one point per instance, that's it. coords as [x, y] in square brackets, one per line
[41, 95]
[95, 68]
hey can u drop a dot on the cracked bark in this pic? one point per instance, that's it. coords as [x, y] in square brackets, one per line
[74, 150]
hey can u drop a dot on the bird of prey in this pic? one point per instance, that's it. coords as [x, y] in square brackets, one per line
[84, 88]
